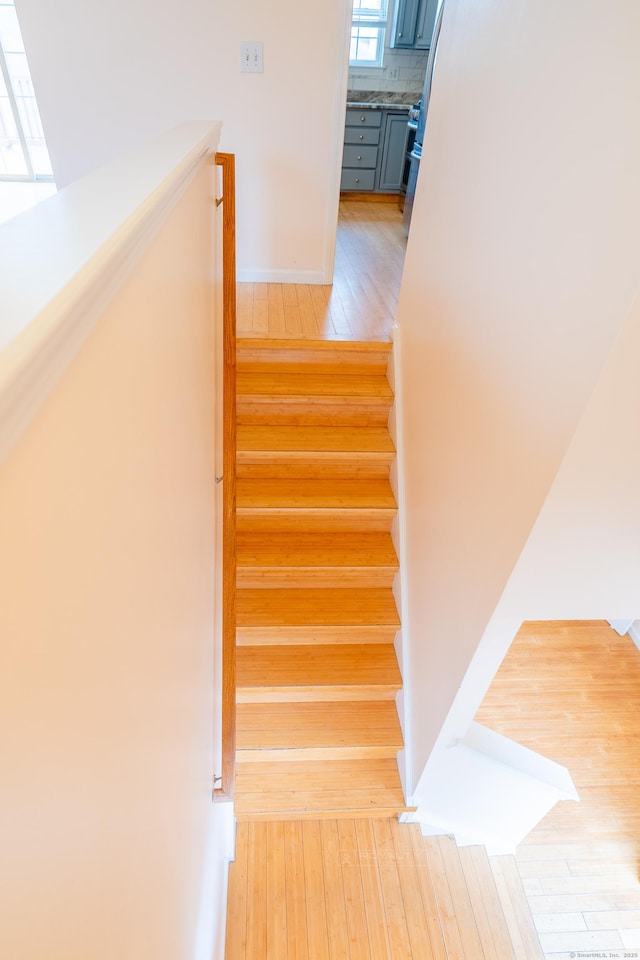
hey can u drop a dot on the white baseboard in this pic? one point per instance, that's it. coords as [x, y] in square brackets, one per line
[396, 478]
[621, 626]
[220, 850]
[634, 632]
[282, 276]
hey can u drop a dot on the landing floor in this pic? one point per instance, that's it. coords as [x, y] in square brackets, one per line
[361, 303]
[371, 890]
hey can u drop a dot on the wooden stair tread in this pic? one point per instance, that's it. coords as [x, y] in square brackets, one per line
[339, 410]
[353, 358]
[314, 495]
[314, 635]
[339, 788]
[295, 725]
[343, 665]
[315, 550]
[323, 607]
[314, 439]
[300, 383]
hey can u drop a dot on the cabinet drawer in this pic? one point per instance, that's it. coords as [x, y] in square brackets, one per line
[357, 179]
[363, 117]
[355, 156]
[363, 135]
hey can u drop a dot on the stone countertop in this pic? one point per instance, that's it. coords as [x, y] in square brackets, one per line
[377, 99]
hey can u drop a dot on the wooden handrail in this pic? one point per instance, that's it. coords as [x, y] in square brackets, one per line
[227, 162]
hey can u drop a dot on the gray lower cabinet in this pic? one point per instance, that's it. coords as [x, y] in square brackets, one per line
[374, 149]
[394, 148]
[361, 146]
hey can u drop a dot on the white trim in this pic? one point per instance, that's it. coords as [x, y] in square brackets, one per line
[212, 913]
[621, 626]
[489, 790]
[280, 276]
[634, 632]
[340, 85]
[399, 534]
[65, 259]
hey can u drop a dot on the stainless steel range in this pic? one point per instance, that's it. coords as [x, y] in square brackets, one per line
[416, 151]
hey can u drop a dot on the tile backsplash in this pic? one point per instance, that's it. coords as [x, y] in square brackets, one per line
[410, 66]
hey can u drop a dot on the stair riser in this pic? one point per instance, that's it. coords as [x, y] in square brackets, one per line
[357, 366]
[317, 753]
[337, 813]
[316, 694]
[313, 636]
[312, 411]
[315, 466]
[311, 577]
[253, 519]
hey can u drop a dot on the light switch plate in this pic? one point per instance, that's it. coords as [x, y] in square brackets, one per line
[251, 58]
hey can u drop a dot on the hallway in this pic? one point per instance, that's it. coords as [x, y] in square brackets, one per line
[361, 303]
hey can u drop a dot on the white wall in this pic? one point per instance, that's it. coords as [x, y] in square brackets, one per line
[521, 268]
[106, 620]
[112, 75]
[582, 560]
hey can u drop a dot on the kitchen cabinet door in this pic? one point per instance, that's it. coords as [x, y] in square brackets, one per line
[404, 23]
[394, 147]
[425, 24]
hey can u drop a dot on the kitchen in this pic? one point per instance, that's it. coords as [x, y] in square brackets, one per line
[390, 71]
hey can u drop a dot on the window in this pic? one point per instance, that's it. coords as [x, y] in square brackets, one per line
[23, 152]
[368, 24]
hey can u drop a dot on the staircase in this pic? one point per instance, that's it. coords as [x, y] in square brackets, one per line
[317, 675]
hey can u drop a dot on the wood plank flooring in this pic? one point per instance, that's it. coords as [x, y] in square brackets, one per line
[361, 303]
[571, 691]
[362, 889]
[321, 888]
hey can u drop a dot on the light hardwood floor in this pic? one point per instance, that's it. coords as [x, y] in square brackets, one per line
[361, 303]
[371, 890]
[568, 690]
[571, 691]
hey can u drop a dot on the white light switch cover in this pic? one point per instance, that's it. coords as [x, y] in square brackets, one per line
[251, 58]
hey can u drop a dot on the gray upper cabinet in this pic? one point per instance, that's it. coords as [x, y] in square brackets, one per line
[413, 24]
[404, 23]
[425, 24]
